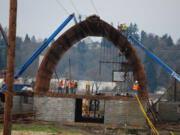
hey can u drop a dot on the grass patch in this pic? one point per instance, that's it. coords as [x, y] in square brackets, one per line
[33, 128]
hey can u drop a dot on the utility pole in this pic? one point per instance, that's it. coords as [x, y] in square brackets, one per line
[10, 68]
[69, 69]
[70, 75]
[175, 98]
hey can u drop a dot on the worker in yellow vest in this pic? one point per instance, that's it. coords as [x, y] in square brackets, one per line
[135, 88]
[88, 88]
[125, 30]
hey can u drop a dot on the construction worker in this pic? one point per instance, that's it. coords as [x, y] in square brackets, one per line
[72, 87]
[121, 27]
[88, 88]
[135, 88]
[75, 87]
[60, 86]
[66, 86]
[125, 29]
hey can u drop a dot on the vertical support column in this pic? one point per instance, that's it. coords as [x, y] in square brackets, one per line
[70, 92]
[175, 97]
[10, 68]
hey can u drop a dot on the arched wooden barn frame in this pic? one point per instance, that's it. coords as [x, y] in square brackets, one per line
[92, 26]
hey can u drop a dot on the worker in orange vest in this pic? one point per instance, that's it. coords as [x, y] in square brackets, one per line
[60, 86]
[72, 87]
[135, 88]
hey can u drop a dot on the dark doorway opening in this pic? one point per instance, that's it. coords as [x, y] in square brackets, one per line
[89, 111]
[2, 100]
[2, 97]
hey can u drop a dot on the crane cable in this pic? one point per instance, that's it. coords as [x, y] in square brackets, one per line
[74, 6]
[61, 5]
[92, 2]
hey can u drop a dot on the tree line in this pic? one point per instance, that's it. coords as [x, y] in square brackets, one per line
[84, 58]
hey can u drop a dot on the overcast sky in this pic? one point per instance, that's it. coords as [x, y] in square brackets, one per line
[42, 17]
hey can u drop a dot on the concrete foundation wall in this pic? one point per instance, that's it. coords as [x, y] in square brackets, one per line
[21, 103]
[54, 109]
[123, 112]
[169, 111]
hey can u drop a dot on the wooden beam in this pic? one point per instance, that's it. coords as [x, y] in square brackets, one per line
[4, 35]
[97, 97]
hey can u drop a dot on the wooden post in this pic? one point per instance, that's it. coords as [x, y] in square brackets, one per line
[10, 68]
[175, 97]
[4, 36]
[70, 92]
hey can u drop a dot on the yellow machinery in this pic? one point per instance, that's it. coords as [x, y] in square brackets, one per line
[90, 107]
[86, 102]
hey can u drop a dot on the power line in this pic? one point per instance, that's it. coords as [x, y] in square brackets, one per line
[74, 6]
[79, 14]
[61, 5]
[92, 2]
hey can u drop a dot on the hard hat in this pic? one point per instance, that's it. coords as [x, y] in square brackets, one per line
[136, 81]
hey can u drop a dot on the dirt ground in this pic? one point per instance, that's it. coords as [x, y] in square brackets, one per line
[68, 132]
[29, 133]
[91, 129]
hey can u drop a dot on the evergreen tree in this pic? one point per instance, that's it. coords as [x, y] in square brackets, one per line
[178, 42]
[33, 39]
[170, 41]
[150, 70]
[0, 37]
[18, 43]
[27, 39]
[18, 57]
[143, 36]
[167, 39]
[44, 39]
[82, 47]
[133, 30]
[106, 43]
[150, 41]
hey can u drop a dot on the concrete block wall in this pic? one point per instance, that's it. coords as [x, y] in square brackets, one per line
[19, 105]
[54, 109]
[123, 112]
[169, 111]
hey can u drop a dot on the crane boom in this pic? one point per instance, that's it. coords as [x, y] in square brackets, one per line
[166, 67]
[42, 47]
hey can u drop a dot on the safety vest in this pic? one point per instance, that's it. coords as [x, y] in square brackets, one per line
[60, 83]
[72, 84]
[125, 27]
[88, 87]
[135, 86]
